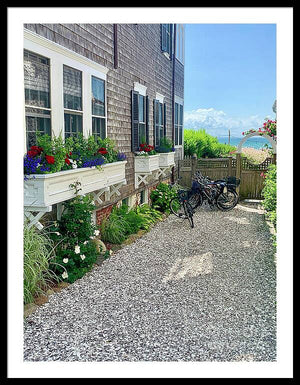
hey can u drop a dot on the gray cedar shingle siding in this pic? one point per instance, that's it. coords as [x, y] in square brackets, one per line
[139, 60]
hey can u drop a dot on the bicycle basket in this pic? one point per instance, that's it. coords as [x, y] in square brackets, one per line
[233, 180]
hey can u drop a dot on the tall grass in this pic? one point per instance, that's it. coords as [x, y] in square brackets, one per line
[204, 145]
[38, 250]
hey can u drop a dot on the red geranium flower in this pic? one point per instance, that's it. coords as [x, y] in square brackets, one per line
[50, 159]
[32, 153]
[38, 149]
[67, 160]
[102, 151]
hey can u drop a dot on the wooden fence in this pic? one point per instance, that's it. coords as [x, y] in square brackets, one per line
[217, 168]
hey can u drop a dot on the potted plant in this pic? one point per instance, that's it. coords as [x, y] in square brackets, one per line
[146, 159]
[53, 168]
[166, 152]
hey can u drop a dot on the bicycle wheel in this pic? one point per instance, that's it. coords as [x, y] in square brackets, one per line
[189, 213]
[227, 200]
[177, 208]
[195, 200]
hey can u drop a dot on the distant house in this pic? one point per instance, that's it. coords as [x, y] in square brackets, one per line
[121, 81]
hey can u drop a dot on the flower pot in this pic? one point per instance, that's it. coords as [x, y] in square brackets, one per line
[43, 190]
[146, 164]
[166, 159]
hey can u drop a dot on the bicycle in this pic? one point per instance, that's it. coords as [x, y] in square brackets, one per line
[220, 193]
[181, 207]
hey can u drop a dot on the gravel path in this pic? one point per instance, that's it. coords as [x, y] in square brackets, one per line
[202, 294]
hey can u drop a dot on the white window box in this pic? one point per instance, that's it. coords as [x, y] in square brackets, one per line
[145, 164]
[146, 169]
[45, 190]
[166, 159]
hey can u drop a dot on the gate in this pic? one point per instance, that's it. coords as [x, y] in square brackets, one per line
[252, 181]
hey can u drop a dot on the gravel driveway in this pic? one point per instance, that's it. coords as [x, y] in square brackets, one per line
[202, 294]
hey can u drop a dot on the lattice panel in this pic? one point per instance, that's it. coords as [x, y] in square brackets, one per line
[246, 165]
[212, 163]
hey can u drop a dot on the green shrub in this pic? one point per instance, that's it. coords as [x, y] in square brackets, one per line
[113, 230]
[133, 221]
[204, 145]
[269, 194]
[73, 233]
[149, 215]
[161, 197]
[38, 251]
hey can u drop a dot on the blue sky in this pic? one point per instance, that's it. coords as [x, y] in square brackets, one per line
[230, 76]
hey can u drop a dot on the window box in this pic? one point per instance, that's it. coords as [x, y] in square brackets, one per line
[166, 159]
[146, 164]
[44, 190]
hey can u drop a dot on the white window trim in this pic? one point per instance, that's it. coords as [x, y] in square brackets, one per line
[138, 87]
[59, 56]
[159, 97]
[179, 100]
[179, 54]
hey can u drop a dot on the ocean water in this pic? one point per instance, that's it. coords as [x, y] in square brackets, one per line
[256, 142]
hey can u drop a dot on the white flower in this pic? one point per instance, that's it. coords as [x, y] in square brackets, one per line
[65, 260]
[74, 165]
[96, 232]
[57, 233]
[77, 249]
[64, 275]
[82, 256]
[91, 237]
[85, 242]
[110, 252]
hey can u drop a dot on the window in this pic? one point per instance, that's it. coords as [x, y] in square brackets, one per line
[37, 96]
[166, 38]
[139, 120]
[65, 93]
[72, 89]
[178, 124]
[180, 42]
[98, 108]
[142, 197]
[159, 121]
[125, 201]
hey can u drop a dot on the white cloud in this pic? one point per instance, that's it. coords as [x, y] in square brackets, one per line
[217, 123]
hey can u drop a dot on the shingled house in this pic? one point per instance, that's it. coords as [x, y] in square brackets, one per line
[136, 72]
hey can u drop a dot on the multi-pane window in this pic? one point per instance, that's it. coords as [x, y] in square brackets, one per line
[72, 88]
[180, 42]
[140, 120]
[166, 38]
[159, 121]
[98, 108]
[178, 124]
[37, 96]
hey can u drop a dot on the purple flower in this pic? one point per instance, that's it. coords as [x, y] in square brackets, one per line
[121, 156]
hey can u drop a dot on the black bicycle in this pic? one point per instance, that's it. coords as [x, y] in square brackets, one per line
[181, 206]
[220, 193]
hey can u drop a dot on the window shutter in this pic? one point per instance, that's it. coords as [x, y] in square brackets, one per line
[134, 121]
[156, 122]
[165, 119]
[147, 119]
